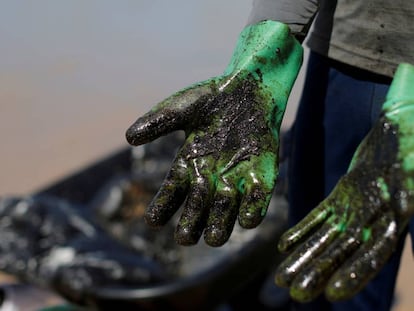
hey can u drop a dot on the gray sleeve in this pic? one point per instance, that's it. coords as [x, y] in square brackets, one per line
[297, 14]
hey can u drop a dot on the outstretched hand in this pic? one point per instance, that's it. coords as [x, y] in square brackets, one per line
[345, 241]
[227, 167]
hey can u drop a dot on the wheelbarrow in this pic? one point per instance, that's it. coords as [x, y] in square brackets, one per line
[198, 277]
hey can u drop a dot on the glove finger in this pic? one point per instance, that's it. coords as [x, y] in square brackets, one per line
[193, 218]
[297, 233]
[303, 255]
[312, 280]
[174, 113]
[170, 196]
[259, 177]
[222, 216]
[336, 203]
[367, 261]
[253, 206]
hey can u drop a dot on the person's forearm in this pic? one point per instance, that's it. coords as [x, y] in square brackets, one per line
[297, 14]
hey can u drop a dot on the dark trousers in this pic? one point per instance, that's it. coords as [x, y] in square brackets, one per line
[338, 107]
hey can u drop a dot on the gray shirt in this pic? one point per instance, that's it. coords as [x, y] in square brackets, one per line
[375, 35]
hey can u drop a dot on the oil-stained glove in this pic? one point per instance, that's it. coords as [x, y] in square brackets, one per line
[346, 240]
[227, 166]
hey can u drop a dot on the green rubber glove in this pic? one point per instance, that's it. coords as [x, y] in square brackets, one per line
[227, 166]
[345, 241]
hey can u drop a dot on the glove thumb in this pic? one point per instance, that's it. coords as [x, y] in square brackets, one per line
[177, 112]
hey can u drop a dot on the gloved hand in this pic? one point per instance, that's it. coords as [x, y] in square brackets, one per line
[345, 241]
[228, 163]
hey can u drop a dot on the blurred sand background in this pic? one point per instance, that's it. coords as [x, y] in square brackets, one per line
[75, 74]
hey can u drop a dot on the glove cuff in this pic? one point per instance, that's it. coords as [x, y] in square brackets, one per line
[401, 91]
[399, 110]
[271, 54]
